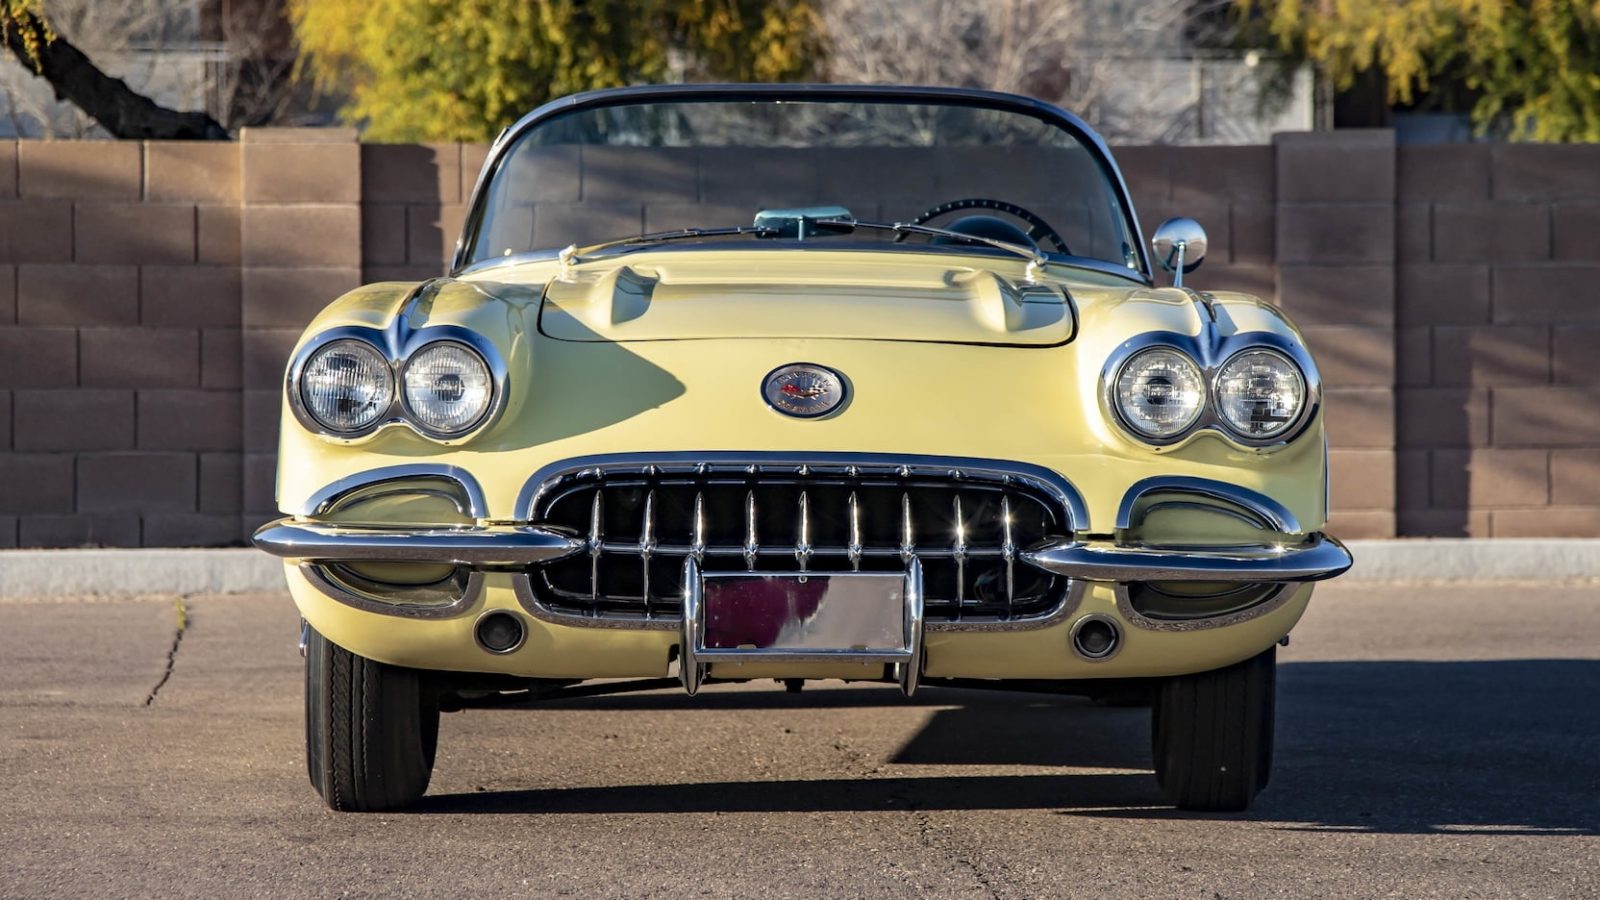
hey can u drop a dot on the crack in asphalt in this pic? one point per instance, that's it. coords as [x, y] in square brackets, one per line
[172, 652]
[925, 837]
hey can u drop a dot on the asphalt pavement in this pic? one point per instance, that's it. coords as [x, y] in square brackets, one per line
[1432, 741]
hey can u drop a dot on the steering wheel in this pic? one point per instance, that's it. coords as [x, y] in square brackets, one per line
[1039, 230]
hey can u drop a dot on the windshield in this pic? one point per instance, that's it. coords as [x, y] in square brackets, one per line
[599, 174]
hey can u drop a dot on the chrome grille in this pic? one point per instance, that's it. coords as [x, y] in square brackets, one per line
[639, 523]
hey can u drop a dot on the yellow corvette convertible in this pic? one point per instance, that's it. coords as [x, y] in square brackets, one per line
[737, 382]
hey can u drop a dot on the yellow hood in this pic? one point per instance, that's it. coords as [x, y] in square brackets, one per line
[877, 296]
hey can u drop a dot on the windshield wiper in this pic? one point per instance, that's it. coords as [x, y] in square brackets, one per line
[1035, 257]
[574, 254]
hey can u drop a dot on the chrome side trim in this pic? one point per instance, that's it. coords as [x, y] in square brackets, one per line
[484, 547]
[397, 343]
[1272, 512]
[326, 497]
[1321, 557]
[1132, 616]
[552, 475]
[313, 574]
[1211, 350]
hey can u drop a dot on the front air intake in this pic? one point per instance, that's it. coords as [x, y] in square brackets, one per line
[639, 524]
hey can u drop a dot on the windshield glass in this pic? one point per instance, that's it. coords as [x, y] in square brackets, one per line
[599, 174]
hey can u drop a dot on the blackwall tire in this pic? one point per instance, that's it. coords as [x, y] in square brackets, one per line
[371, 729]
[1212, 735]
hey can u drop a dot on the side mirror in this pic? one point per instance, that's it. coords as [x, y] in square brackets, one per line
[1180, 246]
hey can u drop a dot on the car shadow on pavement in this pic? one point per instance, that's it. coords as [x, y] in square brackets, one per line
[1501, 747]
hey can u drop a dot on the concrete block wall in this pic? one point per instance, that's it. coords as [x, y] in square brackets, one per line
[299, 246]
[1498, 315]
[119, 365]
[150, 292]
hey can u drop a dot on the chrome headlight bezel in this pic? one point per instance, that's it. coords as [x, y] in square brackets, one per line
[1211, 353]
[1119, 410]
[397, 348]
[1294, 422]
[402, 388]
[378, 361]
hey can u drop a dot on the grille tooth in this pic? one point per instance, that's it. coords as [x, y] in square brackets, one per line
[853, 549]
[697, 538]
[959, 550]
[647, 544]
[751, 548]
[1008, 550]
[596, 541]
[908, 540]
[638, 527]
[802, 544]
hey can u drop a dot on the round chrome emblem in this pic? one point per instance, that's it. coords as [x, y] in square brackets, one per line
[803, 390]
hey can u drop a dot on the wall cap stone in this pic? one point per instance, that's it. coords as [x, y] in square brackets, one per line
[317, 135]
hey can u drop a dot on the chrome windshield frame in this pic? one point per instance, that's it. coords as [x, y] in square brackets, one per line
[822, 93]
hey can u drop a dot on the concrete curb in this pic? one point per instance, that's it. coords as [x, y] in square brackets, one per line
[48, 573]
[1476, 559]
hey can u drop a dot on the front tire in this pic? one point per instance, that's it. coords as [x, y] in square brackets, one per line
[1212, 735]
[371, 729]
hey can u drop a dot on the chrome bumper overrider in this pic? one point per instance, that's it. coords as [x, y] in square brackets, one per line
[493, 546]
[1319, 558]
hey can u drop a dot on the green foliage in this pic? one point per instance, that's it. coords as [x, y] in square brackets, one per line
[23, 26]
[460, 70]
[1534, 65]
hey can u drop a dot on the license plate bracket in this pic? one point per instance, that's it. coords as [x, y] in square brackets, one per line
[800, 617]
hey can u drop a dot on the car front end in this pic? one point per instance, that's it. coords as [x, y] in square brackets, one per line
[801, 449]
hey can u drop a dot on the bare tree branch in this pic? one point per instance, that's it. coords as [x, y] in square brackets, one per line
[122, 111]
[1084, 55]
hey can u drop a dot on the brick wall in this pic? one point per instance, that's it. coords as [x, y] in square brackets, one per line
[149, 294]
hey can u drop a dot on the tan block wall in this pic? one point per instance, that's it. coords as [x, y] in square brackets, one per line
[150, 293]
[1497, 306]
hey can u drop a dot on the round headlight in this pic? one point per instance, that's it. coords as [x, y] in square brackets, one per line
[1160, 392]
[448, 388]
[346, 386]
[1260, 394]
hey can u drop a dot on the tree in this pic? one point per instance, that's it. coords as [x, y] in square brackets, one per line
[460, 71]
[123, 112]
[1126, 66]
[1533, 65]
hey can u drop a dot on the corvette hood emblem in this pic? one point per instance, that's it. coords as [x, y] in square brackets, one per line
[803, 390]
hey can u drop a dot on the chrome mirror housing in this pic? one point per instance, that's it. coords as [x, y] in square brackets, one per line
[1180, 247]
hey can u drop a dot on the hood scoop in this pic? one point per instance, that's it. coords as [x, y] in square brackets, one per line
[792, 300]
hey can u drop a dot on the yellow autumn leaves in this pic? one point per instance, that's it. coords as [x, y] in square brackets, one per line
[459, 70]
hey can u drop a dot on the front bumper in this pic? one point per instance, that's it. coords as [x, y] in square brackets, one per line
[509, 547]
[340, 561]
[477, 546]
[1320, 557]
